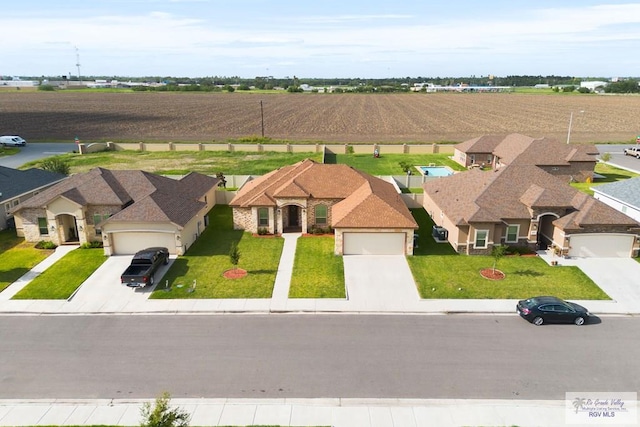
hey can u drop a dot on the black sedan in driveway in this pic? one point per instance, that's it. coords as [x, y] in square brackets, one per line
[540, 310]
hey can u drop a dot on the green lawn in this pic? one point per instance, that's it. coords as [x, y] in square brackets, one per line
[17, 257]
[611, 174]
[62, 279]
[317, 272]
[183, 162]
[441, 274]
[208, 258]
[388, 164]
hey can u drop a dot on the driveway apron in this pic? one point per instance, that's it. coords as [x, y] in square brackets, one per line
[380, 283]
[618, 277]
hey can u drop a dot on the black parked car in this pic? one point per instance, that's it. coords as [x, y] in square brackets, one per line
[540, 310]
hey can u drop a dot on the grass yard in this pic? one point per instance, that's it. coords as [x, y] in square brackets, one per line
[62, 279]
[17, 257]
[440, 273]
[610, 173]
[208, 258]
[183, 162]
[317, 272]
[388, 164]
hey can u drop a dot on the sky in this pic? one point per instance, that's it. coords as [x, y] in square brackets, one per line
[321, 39]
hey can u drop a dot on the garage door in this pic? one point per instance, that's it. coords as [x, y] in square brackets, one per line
[373, 243]
[130, 243]
[601, 245]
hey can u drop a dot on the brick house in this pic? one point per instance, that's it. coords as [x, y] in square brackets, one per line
[525, 205]
[366, 213]
[126, 210]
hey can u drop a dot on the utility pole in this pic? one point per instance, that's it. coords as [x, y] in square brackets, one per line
[262, 118]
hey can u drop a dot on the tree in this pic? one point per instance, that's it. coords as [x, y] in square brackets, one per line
[223, 180]
[160, 415]
[234, 255]
[497, 252]
[406, 167]
[55, 164]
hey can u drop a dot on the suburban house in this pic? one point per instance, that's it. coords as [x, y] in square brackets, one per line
[521, 204]
[16, 186]
[366, 213]
[127, 210]
[623, 196]
[570, 163]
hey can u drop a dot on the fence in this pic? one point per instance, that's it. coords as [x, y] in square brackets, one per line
[259, 148]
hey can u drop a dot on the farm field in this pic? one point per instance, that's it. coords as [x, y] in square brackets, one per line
[348, 118]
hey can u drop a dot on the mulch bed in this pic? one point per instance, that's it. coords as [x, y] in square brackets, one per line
[234, 273]
[489, 273]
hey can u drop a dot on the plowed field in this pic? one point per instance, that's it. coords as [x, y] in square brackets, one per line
[413, 117]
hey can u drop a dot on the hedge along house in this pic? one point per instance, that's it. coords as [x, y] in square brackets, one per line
[366, 213]
[126, 210]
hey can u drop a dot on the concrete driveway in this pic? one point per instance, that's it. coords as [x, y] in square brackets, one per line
[103, 292]
[379, 283]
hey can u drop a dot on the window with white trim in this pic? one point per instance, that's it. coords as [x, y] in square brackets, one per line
[512, 233]
[481, 239]
[263, 217]
[42, 226]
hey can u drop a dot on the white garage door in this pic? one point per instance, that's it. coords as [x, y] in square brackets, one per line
[127, 243]
[373, 243]
[601, 245]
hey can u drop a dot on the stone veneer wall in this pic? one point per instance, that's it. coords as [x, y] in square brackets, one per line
[30, 228]
[242, 220]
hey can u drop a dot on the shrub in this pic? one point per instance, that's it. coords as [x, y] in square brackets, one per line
[262, 231]
[55, 164]
[161, 415]
[46, 88]
[91, 245]
[45, 244]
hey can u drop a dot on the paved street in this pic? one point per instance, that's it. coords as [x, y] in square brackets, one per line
[35, 151]
[314, 356]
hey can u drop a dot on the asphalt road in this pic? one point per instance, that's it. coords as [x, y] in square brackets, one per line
[35, 151]
[311, 356]
[618, 158]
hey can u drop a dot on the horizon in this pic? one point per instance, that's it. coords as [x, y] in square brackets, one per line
[279, 38]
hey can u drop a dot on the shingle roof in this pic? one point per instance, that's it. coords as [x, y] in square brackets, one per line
[510, 192]
[367, 201]
[14, 182]
[626, 191]
[142, 195]
[482, 144]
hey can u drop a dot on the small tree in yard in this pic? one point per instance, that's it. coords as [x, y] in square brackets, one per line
[234, 255]
[497, 253]
[161, 415]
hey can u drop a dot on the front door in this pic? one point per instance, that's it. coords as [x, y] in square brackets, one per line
[294, 221]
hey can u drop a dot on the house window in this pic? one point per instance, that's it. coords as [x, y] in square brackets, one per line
[42, 226]
[7, 206]
[512, 233]
[481, 239]
[263, 217]
[321, 214]
[97, 219]
[16, 202]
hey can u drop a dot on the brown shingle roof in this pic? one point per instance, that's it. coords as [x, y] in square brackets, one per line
[482, 144]
[142, 195]
[367, 201]
[510, 192]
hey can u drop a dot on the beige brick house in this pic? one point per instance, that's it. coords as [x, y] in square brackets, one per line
[366, 213]
[520, 204]
[127, 210]
[570, 163]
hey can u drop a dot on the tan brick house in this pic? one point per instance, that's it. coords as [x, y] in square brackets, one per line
[366, 213]
[524, 205]
[127, 210]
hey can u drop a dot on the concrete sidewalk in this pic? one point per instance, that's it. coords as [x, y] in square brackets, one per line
[293, 412]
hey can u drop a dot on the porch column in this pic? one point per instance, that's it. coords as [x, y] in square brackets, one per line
[304, 220]
[279, 227]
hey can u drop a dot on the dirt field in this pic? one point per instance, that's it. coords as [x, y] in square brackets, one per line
[414, 117]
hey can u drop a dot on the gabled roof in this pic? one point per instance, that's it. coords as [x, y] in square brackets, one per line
[626, 191]
[511, 193]
[522, 149]
[365, 201]
[143, 196]
[14, 182]
[481, 144]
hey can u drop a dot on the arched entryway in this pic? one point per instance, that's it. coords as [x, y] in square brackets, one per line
[292, 220]
[545, 230]
[67, 228]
